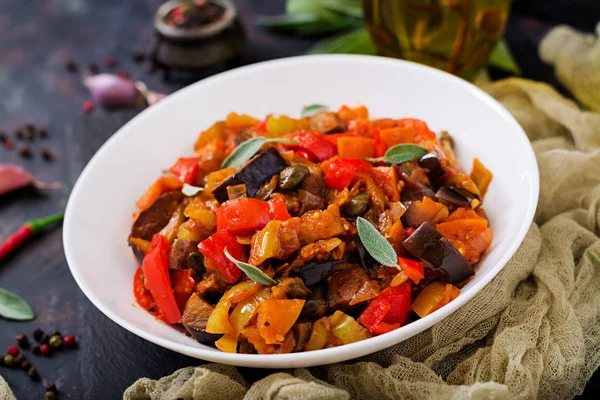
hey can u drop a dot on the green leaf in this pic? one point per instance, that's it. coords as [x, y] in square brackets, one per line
[355, 42]
[594, 256]
[189, 190]
[252, 272]
[503, 59]
[313, 109]
[375, 244]
[248, 149]
[401, 153]
[288, 22]
[352, 8]
[14, 307]
[309, 7]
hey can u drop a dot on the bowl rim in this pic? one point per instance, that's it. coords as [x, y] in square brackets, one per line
[333, 354]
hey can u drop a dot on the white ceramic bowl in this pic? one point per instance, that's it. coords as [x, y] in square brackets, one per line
[98, 215]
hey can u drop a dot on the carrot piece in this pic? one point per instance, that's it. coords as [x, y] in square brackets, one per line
[397, 135]
[355, 147]
[276, 318]
[463, 213]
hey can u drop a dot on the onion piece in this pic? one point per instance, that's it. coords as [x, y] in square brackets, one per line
[13, 177]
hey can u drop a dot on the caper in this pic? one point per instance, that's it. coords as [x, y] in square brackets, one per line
[292, 176]
[195, 261]
[358, 204]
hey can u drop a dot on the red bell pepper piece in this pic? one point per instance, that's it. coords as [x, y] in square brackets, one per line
[213, 248]
[380, 147]
[420, 128]
[341, 171]
[315, 143]
[186, 169]
[389, 310]
[183, 286]
[156, 272]
[142, 295]
[247, 215]
[306, 155]
[415, 270]
[277, 208]
[261, 127]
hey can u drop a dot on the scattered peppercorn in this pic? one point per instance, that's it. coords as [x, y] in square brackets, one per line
[110, 61]
[46, 154]
[38, 334]
[43, 132]
[19, 134]
[19, 359]
[13, 351]
[49, 396]
[139, 55]
[70, 65]
[69, 341]
[44, 339]
[45, 349]
[25, 152]
[87, 106]
[9, 360]
[33, 374]
[35, 348]
[25, 365]
[93, 67]
[2, 363]
[55, 332]
[22, 340]
[8, 144]
[56, 341]
[50, 387]
[28, 135]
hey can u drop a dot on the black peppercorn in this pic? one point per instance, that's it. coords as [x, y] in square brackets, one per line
[43, 132]
[9, 360]
[28, 135]
[55, 333]
[44, 339]
[55, 341]
[22, 340]
[25, 365]
[2, 363]
[139, 55]
[70, 65]
[47, 155]
[51, 387]
[3, 136]
[33, 373]
[8, 144]
[37, 334]
[49, 396]
[19, 359]
[35, 348]
[25, 152]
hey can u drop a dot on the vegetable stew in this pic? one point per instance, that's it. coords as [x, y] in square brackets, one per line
[287, 235]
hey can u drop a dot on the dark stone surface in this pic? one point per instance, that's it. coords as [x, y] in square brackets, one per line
[36, 37]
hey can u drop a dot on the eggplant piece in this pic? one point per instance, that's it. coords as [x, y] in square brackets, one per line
[302, 331]
[366, 260]
[195, 261]
[431, 162]
[140, 247]
[254, 174]
[327, 122]
[316, 272]
[194, 319]
[178, 257]
[456, 196]
[427, 244]
[157, 216]
[414, 190]
[349, 287]
[315, 306]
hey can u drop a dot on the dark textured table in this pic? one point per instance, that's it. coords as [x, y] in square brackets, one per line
[35, 39]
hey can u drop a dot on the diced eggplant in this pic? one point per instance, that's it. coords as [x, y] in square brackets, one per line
[293, 288]
[245, 347]
[315, 306]
[314, 272]
[302, 332]
[349, 286]
[140, 247]
[254, 174]
[178, 257]
[366, 260]
[456, 196]
[157, 216]
[431, 162]
[194, 319]
[195, 261]
[414, 190]
[327, 122]
[427, 244]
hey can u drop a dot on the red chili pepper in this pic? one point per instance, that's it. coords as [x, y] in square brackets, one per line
[29, 229]
[415, 270]
[213, 247]
[186, 169]
[389, 310]
[156, 272]
[248, 215]
[314, 143]
[342, 171]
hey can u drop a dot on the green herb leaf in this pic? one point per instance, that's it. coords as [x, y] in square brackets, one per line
[594, 256]
[401, 153]
[377, 246]
[252, 272]
[287, 22]
[313, 109]
[352, 8]
[248, 149]
[309, 7]
[503, 59]
[14, 307]
[190, 190]
[355, 42]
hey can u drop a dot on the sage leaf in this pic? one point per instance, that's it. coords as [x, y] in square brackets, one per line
[401, 153]
[503, 59]
[252, 272]
[248, 149]
[190, 190]
[355, 42]
[313, 109]
[348, 7]
[14, 307]
[287, 22]
[375, 244]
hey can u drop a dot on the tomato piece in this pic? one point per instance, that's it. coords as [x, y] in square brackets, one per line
[186, 169]
[342, 171]
[213, 249]
[155, 267]
[313, 142]
[142, 295]
[415, 270]
[183, 286]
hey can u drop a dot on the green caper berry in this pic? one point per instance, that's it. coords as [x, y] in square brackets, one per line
[55, 341]
[293, 176]
[358, 204]
[195, 261]
[9, 360]
[49, 396]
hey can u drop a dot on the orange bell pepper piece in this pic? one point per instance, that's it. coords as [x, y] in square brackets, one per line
[355, 147]
[276, 318]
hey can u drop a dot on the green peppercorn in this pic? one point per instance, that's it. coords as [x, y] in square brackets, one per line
[293, 176]
[49, 396]
[9, 360]
[358, 204]
[195, 261]
[55, 341]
